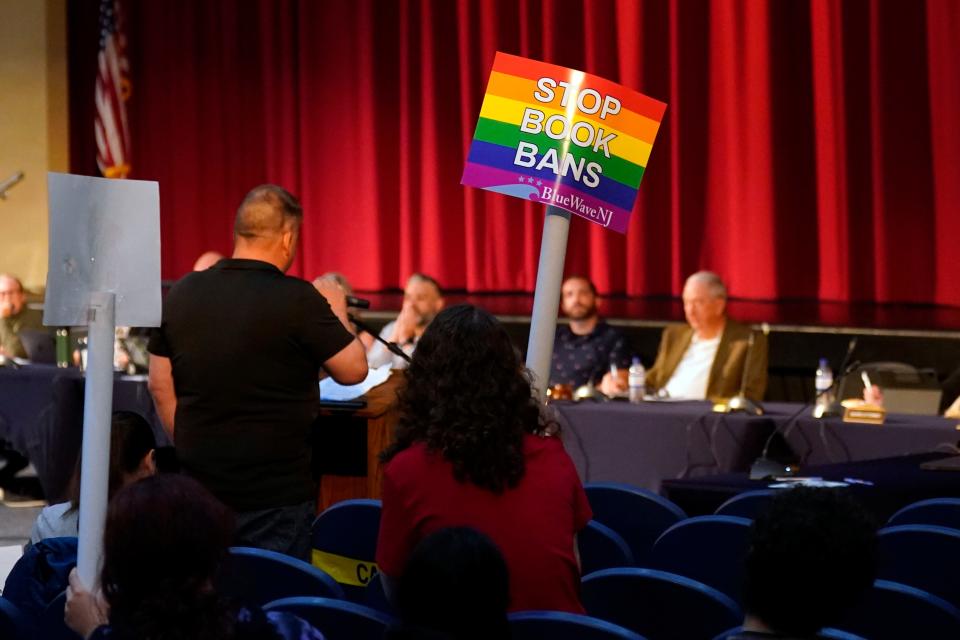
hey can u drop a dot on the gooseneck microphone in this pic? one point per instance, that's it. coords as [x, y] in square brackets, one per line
[764, 467]
[393, 347]
[8, 183]
[741, 402]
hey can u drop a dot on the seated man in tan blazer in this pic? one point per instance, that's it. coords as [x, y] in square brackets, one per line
[706, 357]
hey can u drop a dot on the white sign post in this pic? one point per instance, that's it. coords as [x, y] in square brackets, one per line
[104, 269]
[546, 296]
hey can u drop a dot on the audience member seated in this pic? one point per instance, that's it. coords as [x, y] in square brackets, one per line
[341, 280]
[15, 317]
[164, 540]
[585, 350]
[472, 448]
[422, 301]
[811, 557]
[131, 458]
[455, 585]
[705, 358]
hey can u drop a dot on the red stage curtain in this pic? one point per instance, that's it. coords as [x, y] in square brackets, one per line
[810, 149]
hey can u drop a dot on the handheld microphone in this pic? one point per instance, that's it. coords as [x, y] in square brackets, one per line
[8, 183]
[358, 303]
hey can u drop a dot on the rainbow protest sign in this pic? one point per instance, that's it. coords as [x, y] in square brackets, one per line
[563, 137]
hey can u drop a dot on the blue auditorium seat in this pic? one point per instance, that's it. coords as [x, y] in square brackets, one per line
[892, 611]
[344, 542]
[745, 505]
[255, 577]
[922, 556]
[556, 625]
[602, 548]
[710, 549]
[337, 619]
[657, 604]
[638, 515]
[940, 512]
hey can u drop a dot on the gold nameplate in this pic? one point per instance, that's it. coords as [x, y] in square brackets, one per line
[864, 413]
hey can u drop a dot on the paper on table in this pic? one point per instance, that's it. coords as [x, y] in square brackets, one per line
[786, 483]
[330, 389]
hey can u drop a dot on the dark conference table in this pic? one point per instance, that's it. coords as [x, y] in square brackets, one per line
[41, 415]
[883, 486]
[646, 443]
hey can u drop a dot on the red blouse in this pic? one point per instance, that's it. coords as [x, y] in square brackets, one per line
[533, 524]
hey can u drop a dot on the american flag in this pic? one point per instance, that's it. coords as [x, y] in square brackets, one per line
[111, 94]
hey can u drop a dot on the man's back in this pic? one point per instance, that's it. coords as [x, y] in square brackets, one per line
[246, 344]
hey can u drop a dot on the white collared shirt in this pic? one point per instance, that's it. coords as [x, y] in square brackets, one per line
[689, 379]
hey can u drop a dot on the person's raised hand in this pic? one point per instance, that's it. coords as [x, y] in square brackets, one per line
[332, 291]
[408, 321]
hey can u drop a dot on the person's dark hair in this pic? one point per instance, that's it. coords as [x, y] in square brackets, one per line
[164, 540]
[266, 210]
[576, 276]
[422, 277]
[131, 438]
[455, 585]
[812, 555]
[468, 397]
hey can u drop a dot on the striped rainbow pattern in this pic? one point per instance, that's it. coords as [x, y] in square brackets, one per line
[510, 91]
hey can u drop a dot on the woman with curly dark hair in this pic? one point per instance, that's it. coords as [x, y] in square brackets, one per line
[474, 449]
[163, 544]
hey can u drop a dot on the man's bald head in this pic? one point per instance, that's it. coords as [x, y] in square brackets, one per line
[12, 296]
[266, 212]
[267, 226]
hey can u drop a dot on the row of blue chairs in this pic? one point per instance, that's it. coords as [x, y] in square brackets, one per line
[251, 576]
[625, 603]
[641, 516]
[664, 606]
[709, 549]
[342, 620]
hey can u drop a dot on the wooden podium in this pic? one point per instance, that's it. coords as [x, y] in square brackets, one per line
[381, 417]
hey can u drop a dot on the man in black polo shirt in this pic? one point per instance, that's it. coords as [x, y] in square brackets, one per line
[584, 350]
[234, 369]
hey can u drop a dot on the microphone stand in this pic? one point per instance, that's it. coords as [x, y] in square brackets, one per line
[392, 347]
[764, 467]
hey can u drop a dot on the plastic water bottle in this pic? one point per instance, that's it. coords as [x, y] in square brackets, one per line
[636, 380]
[823, 382]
